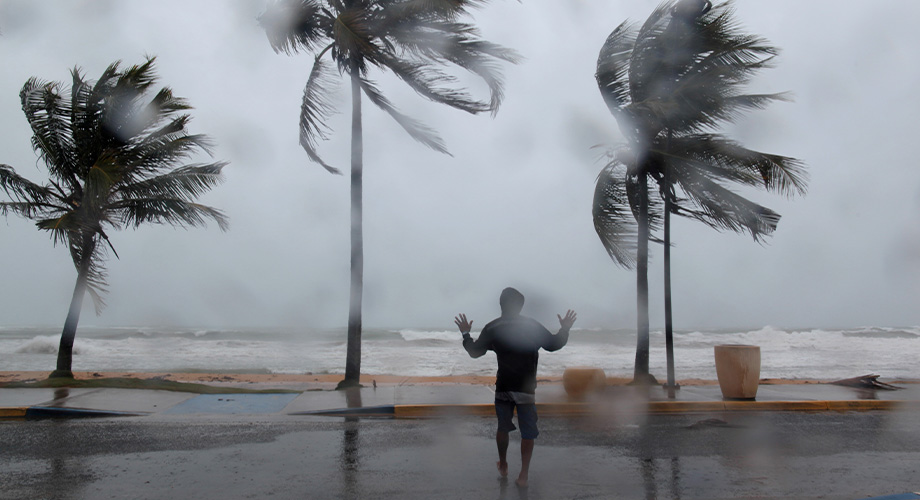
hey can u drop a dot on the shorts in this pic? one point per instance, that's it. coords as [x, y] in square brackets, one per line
[527, 418]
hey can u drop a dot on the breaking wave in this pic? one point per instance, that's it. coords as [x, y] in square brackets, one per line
[46, 344]
[786, 353]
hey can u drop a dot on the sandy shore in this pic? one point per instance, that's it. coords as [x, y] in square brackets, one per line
[325, 381]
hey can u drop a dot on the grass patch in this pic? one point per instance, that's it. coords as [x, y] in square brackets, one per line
[136, 383]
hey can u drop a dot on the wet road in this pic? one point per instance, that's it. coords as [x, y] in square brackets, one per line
[769, 455]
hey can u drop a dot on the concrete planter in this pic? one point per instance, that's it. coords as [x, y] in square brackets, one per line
[738, 368]
[578, 381]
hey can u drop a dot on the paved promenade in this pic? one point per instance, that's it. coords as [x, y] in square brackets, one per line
[795, 441]
[419, 401]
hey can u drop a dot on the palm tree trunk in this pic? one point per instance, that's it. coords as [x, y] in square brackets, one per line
[65, 349]
[640, 373]
[668, 320]
[353, 351]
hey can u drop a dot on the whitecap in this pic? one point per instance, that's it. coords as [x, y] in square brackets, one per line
[47, 344]
[445, 335]
[42, 344]
[768, 330]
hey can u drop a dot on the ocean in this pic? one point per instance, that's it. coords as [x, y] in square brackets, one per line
[785, 353]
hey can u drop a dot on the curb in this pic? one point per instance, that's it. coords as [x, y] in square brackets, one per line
[581, 409]
[900, 496]
[13, 412]
[710, 406]
[546, 409]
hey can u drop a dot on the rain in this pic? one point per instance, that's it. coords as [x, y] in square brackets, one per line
[511, 206]
[832, 293]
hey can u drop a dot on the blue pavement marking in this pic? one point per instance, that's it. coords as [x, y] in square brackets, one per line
[234, 403]
[900, 496]
[58, 412]
[385, 410]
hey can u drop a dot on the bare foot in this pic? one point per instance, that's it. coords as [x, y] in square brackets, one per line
[521, 481]
[502, 468]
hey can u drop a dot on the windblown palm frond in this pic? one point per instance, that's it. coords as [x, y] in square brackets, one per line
[707, 201]
[613, 218]
[416, 40]
[434, 43]
[47, 111]
[295, 26]
[648, 59]
[617, 206]
[20, 188]
[185, 183]
[436, 9]
[721, 158]
[418, 130]
[172, 211]
[316, 108]
[672, 81]
[613, 67]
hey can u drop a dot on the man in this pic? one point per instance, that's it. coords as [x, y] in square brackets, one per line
[516, 340]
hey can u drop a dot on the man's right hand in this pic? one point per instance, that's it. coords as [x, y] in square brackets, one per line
[569, 320]
[463, 324]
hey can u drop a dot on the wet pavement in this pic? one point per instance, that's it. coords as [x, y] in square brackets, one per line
[426, 400]
[624, 442]
[804, 455]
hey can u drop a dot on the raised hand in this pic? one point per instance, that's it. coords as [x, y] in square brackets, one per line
[462, 323]
[568, 320]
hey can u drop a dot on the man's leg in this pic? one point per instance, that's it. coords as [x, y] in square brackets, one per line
[527, 419]
[526, 453]
[501, 439]
[504, 411]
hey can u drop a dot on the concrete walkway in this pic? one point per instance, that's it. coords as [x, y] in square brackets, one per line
[422, 401]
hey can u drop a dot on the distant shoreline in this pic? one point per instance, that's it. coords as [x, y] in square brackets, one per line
[328, 381]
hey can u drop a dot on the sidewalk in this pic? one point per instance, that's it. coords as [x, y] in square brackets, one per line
[421, 401]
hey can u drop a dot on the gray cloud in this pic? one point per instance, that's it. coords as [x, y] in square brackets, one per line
[510, 207]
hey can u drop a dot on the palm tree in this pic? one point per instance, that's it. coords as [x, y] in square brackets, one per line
[416, 40]
[112, 150]
[670, 83]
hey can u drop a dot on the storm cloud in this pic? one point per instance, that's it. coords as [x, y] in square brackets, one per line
[511, 206]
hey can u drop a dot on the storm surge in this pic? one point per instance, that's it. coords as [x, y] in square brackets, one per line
[826, 353]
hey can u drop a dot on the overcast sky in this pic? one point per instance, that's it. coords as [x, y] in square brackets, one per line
[511, 207]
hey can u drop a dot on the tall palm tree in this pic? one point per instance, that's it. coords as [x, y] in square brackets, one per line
[416, 40]
[670, 84]
[112, 149]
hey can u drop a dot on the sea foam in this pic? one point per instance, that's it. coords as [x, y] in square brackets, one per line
[46, 344]
[445, 335]
[786, 353]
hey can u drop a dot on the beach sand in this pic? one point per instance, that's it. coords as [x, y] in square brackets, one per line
[327, 381]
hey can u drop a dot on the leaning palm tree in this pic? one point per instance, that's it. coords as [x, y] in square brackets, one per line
[416, 40]
[113, 151]
[670, 84]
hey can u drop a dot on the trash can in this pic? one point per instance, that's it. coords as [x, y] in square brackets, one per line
[738, 369]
